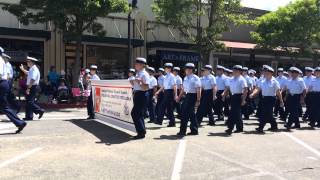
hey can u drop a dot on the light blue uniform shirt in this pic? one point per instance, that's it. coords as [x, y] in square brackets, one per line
[160, 80]
[269, 87]
[221, 82]
[3, 69]
[33, 74]
[295, 86]
[237, 84]
[169, 81]
[95, 77]
[315, 85]
[153, 82]
[207, 82]
[178, 81]
[144, 76]
[282, 81]
[250, 82]
[307, 80]
[191, 83]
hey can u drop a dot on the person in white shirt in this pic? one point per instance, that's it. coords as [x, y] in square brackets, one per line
[314, 91]
[221, 85]
[307, 80]
[176, 72]
[33, 78]
[93, 76]
[151, 92]
[4, 90]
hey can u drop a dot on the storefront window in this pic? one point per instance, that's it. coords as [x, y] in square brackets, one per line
[112, 61]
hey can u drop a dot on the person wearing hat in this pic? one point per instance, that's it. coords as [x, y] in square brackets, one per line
[314, 93]
[296, 92]
[4, 91]
[269, 88]
[238, 88]
[140, 87]
[11, 97]
[221, 80]
[170, 93]
[208, 95]
[282, 81]
[160, 85]
[90, 106]
[192, 92]
[176, 71]
[33, 79]
[247, 109]
[153, 84]
[131, 74]
[307, 80]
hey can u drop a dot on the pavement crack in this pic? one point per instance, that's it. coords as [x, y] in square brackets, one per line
[302, 169]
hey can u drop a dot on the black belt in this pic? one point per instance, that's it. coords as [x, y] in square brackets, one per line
[237, 94]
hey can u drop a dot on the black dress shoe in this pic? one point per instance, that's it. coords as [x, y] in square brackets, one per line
[150, 121]
[171, 125]
[181, 134]
[158, 123]
[90, 117]
[238, 131]
[20, 128]
[211, 124]
[139, 136]
[273, 129]
[27, 119]
[259, 130]
[228, 131]
[41, 114]
[193, 133]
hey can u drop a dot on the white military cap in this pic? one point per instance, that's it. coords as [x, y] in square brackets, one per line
[151, 69]
[32, 59]
[280, 69]
[269, 69]
[132, 70]
[265, 67]
[208, 67]
[317, 69]
[220, 67]
[245, 68]
[1, 50]
[6, 56]
[161, 69]
[285, 73]
[87, 70]
[93, 67]
[308, 69]
[176, 69]
[168, 65]
[251, 71]
[229, 70]
[141, 60]
[190, 65]
[294, 69]
[237, 67]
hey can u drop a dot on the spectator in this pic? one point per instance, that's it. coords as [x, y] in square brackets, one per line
[53, 76]
[22, 85]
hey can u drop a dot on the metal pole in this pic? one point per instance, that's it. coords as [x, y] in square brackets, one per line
[129, 38]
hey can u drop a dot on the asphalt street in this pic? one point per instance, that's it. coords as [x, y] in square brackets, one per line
[64, 145]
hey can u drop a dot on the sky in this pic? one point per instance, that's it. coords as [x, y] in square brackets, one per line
[270, 5]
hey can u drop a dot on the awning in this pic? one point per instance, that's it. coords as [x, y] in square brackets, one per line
[239, 45]
[25, 33]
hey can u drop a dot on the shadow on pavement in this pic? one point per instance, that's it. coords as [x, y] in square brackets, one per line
[106, 134]
[168, 137]
[221, 134]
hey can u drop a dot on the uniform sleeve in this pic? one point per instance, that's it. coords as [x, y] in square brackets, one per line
[197, 84]
[213, 81]
[33, 75]
[174, 80]
[244, 84]
[155, 83]
[277, 85]
[303, 85]
[145, 79]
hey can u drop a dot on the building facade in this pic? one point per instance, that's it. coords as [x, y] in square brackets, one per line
[158, 42]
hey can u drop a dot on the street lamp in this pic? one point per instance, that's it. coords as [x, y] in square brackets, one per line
[132, 5]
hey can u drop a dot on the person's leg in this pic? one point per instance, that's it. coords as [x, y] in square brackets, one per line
[219, 105]
[193, 120]
[233, 114]
[273, 122]
[312, 110]
[138, 112]
[262, 117]
[170, 108]
[36, 108]
[150, 106]
[238, 115]
[201, 110]
[184, 116]
[162, 109]
[297, 115]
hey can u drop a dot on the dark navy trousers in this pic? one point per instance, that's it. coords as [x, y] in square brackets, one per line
[137, 113]
[268, 103]
[205, 107]
[12, 98]
[167, 106]
[218, 105]
[4, 91]
[188, 114]
[235, 117]
[314, 112]
[293, 109]
[90, 108]
[31, 106]
[150, 106]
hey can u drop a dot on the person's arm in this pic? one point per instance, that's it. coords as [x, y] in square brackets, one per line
[214, 91]
[279, 95]
[245, 90]
[180, 95]
[23, 70]
[198, 96]
[255, 92]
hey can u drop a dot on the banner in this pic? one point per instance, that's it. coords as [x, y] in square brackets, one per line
[113, 102]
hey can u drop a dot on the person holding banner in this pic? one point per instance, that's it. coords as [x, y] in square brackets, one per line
[140, 87]
[93, 76]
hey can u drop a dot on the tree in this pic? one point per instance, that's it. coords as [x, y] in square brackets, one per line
[295, 25]
[70, 17]
[200, 21]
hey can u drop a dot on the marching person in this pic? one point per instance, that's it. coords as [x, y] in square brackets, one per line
[307, 80]
[192, 92]
[33, 78]
[226, 104]
[176, 71]
[11, 97]
[90, 106]
[282, 82]
[296, 92]
[160, 85]
[141, 86]
[221, 80]
[151, 92]
[239, 89]
[208, 95]
[170, 93]
[247, 109]
[314, 93]
[4, 90]
[269, 88]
